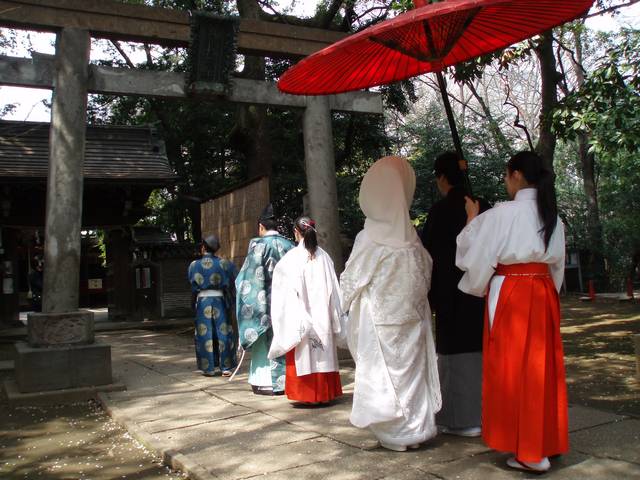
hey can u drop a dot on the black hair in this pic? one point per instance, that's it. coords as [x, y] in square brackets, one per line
[211, 244]
[269, 223]
[307, 228]
[532, 167]
[447, 164]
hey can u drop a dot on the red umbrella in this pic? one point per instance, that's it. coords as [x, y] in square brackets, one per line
[426, 39]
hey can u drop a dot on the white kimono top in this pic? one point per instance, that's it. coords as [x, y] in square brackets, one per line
[509, 233]
[305, 310]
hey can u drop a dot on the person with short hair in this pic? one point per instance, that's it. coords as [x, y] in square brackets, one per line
[305, 315]
[253, 300]
[384, 286]
[514, 254]
[212, 281]
[459, 317]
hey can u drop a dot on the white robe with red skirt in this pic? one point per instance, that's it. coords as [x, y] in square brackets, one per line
[524, 391]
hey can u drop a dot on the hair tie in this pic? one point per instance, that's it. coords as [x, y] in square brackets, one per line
[308, 225]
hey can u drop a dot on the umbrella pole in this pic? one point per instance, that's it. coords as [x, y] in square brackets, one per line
[452, 125]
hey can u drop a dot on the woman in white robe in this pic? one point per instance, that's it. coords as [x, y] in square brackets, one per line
[388, 329]
[305, 317]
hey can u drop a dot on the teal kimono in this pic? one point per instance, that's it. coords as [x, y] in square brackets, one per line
[253, 299]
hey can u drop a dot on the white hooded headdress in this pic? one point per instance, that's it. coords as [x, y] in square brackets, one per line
[386, 193]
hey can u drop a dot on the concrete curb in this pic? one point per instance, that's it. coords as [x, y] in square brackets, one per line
[170, 458]
[56, 397]
[111, 327]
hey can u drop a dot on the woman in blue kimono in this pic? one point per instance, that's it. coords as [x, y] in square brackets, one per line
[213, 282]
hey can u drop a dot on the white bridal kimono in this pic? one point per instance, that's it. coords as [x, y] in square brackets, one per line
[305, 310]
[384, 287]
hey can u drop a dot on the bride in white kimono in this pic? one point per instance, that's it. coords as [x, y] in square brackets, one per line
[305, 316]
[384, 287]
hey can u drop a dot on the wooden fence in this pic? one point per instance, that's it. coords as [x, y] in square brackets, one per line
[233, 216]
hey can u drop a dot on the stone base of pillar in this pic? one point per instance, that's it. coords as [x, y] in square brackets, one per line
[56, 397]
[60, 367]
[67, 328]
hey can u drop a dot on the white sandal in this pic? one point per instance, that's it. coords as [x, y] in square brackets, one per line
[539, 467]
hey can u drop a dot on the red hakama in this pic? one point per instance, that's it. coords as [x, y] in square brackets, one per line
[312, 388]
[524, 395]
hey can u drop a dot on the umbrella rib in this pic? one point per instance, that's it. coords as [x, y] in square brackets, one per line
[393, 45]
[454, 38]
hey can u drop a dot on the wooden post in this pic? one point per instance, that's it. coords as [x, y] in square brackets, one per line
[321, 176]
[120, 285]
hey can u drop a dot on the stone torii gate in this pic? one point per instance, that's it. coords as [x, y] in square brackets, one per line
[72, 359]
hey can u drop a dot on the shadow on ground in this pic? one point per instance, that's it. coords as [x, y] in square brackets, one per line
[599, 354]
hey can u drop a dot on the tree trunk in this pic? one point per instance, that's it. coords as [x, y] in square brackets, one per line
[547, 141]
[596, 264]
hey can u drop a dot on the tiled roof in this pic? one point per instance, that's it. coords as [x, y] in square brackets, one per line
[112, 152]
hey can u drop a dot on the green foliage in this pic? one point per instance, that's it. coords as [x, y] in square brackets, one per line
[402, 5]
[620, 206]
[607, 105]
[399, 96]
[359, 141]
[426, 134]
[102, 247]
[572, 204]
[606, 108]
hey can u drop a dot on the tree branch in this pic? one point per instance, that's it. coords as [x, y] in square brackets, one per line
[122, 53]
[516, 121]
[611, 9]
[572, 53]
[562, 82]
[434, 86]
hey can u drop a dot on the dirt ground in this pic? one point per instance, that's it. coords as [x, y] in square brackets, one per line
[78, 442]
[599, 354]
[82, 442]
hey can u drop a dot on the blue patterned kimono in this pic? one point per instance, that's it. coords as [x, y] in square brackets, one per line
[253, 285]
[214, 342]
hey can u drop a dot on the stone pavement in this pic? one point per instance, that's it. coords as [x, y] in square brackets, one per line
[212, 428]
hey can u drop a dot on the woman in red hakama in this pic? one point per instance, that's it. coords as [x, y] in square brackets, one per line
[524, 393]
[311, 388]
[305, 316]
[515, 254]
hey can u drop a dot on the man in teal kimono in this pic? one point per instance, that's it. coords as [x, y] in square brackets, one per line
[253, 301]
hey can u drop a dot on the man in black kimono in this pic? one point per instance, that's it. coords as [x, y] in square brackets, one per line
[459, 317]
